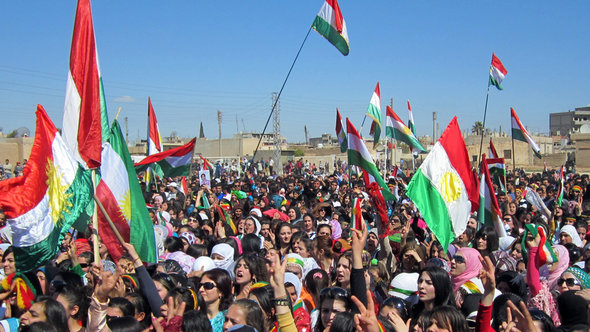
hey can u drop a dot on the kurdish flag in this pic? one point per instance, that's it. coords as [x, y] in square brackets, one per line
[154, 143]
[330, 24]
[340, 132]
[444, 188]
[497, 72]
[356, 215]
[561, 187]
[395, 128]
[43, 203]
[374, 112]
[497, 170]
[173, 162]
[85, 122]
[120, 194]
[520, 133]
[358, 155]
[411, 124]
[489, 210]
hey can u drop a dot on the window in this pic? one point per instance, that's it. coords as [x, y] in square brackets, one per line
[507, 154]
[474, 158]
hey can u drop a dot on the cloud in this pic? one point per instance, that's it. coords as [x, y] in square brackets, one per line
[125, 99]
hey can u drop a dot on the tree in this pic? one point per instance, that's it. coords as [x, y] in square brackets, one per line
[477, 128]
[298, 153]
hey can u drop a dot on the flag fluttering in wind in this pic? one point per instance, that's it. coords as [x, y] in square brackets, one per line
[411, 124]
[520, 133]
[492, 152]
[330, 24]
[173, 162]
[561, 189]
[206, 164]
[43, 203]
[120, 194]
[358, 155]
[395, 128]
[444, 188]
[489, 211]
[497, 169]
[85, 123]
[374, 112]
[340, 133]
[154, 143]
[497, 72]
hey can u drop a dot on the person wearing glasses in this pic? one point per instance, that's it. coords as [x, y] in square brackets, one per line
[215, 288]
[465, 267]
[573, 278]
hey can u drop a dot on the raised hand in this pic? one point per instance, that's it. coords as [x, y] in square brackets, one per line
[488, 278]
[366, 321]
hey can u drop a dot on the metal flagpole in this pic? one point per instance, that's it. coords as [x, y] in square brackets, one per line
[484, 125]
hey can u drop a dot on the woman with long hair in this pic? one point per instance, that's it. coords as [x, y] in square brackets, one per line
[434, 289]
[322, 252]
[215, 288]
[283, 238]
[46, 309]
[248, 270]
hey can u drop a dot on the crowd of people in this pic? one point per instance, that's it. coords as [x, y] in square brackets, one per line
[253, 252]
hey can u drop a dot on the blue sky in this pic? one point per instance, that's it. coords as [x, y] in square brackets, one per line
[196, 57]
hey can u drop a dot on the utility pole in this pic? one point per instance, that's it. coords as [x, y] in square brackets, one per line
[219, 124]
[277, 133]
[434, 127]
[237, 126]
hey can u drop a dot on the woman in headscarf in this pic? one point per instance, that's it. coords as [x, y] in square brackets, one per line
[568, 234]
[223, 256]
[465, 267]
[573, 278]
[293, 287]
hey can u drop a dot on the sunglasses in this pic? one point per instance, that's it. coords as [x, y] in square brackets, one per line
[208, 285]
[570, 282]
[84, 265]
[459, 259]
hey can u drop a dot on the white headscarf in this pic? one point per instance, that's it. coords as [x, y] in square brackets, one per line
[225, 250]
[571, 231]
[293, 280]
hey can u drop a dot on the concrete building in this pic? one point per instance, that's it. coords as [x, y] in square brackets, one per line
[571, 122]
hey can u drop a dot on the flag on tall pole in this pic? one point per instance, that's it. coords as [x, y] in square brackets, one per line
[395, 128]
[520, 133]
[85, 123]
[340, 133]
[444, 188]
[411, 124]
[374, 112]
[358, 155]
[492, 153]
[154, 143]
[173, 162]
[497, 170]
[331, 25]
[561, 190]
[497, 72]
[489, 210]
[43, 203]
[120, 194]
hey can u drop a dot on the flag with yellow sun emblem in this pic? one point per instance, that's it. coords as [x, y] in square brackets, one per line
[120, 194]
[444, 188]
[43, 203]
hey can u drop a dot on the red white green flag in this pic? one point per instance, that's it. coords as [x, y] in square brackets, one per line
[374, 112]
[120, 194]
[358, 155]
[330, 24]
[206, 164]
[497, 72]
[356, 215]
[340, 133]
[43, 203]
[85, 124]
[395, 128]
[520, 133]
[497, 169]
[154, 143]
[492, 153]
[489, 210]
[173, 162]
[444, 188]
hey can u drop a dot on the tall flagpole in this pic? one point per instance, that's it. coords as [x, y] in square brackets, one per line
[279, 95]
[484, 125]
[513, 156]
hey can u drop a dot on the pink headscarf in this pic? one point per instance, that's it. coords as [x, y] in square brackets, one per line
[563, 262]
[472, 267]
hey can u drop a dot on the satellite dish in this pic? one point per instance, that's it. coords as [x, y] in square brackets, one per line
[22, 132]
[585, 129]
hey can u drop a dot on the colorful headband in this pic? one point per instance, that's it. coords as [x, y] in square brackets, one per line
[295, 261]
[131, 279]
[259, 284]
[195, 300]
[576, 187]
